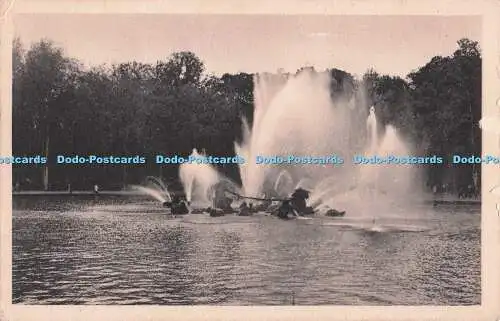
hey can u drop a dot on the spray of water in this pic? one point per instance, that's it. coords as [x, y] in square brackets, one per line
[154, 188]
[283, 185]
[292, 116]
[156, 194]
[295, 115]
[197, 179]
[371, 125]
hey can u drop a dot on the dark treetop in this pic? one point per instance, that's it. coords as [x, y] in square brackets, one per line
[60, 107]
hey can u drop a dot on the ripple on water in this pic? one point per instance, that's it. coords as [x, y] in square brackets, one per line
[129, 254]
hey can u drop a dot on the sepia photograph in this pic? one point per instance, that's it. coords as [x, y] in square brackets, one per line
[247, 159]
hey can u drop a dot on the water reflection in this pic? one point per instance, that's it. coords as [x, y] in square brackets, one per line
[115, 252]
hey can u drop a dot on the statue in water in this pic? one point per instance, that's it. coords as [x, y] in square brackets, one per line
[298, 201]
[285, 209]
[296, 205]
[245, 209]
[178, 206]
[220, 199]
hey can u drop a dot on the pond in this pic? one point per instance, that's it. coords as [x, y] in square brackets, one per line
[116, 250]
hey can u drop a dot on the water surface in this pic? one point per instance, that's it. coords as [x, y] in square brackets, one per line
[127, 251]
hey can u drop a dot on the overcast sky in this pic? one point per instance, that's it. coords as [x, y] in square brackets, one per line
[392, 45]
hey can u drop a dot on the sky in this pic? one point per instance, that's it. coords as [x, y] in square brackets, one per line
[392, 45]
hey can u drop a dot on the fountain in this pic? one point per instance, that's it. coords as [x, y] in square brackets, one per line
[283, 184]
[296, 116]
[198, 179]
[369, 173]
[371, 126]
[291, 117]
[156, 189]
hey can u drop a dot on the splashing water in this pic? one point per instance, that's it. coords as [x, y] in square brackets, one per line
[156, 189]
[158, 183]
[292, 117]
[156, 194]
[371, 125]
[197, 179]
[283, 185]
[295, 115]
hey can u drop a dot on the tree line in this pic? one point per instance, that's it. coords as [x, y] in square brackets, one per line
[63, 107]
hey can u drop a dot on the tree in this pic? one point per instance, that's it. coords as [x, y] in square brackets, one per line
[171, 107]
[467, 48]
[46, 77]
[446, 102]
[181, 68]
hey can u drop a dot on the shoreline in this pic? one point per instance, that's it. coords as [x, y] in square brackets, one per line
[74, 193]
[446, 199]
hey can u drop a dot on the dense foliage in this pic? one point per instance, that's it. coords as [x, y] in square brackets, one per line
[60, 107]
